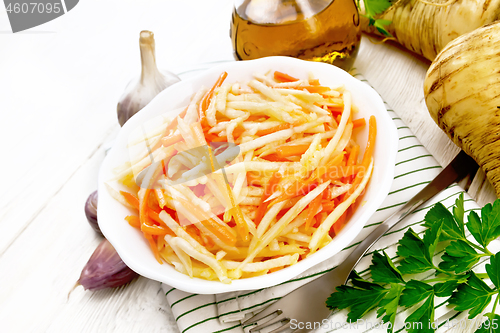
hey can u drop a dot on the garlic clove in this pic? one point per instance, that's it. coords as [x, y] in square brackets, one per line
[150, 83]
[91, 212]
[105, 269]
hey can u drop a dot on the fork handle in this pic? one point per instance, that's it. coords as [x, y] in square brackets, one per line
[461, 166]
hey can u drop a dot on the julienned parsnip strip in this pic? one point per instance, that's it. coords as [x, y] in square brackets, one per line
[330, 148]
[269, 216]
[209, 261]
[180, 232]
[276, 229]
[192, 110]
[183, 256]
[262, 265]
[279, 135]
[324, 227]
[266, 139]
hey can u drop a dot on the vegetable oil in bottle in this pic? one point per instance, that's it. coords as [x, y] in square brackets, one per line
[317, 30]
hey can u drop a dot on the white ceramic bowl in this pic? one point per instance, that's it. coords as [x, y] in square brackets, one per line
[133, 247]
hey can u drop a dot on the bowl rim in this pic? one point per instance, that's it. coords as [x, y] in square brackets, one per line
[346, 236]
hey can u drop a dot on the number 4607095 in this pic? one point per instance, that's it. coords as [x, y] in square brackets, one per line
[33, 7]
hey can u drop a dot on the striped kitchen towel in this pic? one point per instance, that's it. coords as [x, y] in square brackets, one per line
[415, 168]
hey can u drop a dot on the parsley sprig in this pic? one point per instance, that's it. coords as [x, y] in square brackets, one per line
[374, 8]
[391, 287]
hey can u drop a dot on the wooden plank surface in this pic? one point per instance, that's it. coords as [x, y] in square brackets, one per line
[59, 85]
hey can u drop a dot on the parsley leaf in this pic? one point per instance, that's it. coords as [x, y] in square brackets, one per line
[445, 289]
[490, 215]
[361, 299]
[415, 292]
[412, 249]
[418, 253]
[475, 228]
[383, 270]
[493, 270]
[492, 325]
[474, 295]
[389, 305]
[458, 209]
[452, 229]
[459, 257]
[489, 228]
[375, 7]
[380, 25]
[420, 320]
[431, 239]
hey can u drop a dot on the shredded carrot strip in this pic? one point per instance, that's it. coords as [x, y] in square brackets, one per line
[339, 224]
[205, 101]
[294, 150]
[268, 191]
[155, 230]
[146, 214]
[282, 77]
[339, 171]
[253, 179]
[327, 205]
[359, 123]
[144, 217]
[133, 221]
[313, 208]
[336, 110]
[275, 158]
[154, 247]
[156, 218]
[195, 233]
[221, 233]
[316, 89]
[353, 156]
[143, 206]
[302, 188]
[272, 129]
[318, 173]
[238, 131]
[257, 118]
[131, 199]
[367, 157]
[215, 138]
[314, 82]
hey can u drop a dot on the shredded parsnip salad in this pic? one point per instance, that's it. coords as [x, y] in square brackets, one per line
[250, 178]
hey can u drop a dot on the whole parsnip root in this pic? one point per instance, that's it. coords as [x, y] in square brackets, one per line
[426, 28]
[462, 92]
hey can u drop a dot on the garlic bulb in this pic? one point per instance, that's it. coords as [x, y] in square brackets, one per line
[151, 82]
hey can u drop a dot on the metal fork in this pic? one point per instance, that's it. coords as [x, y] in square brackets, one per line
[307, 303]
